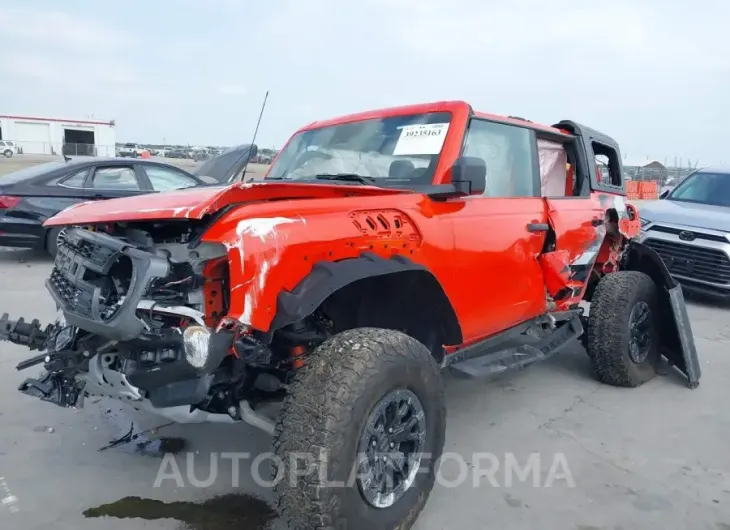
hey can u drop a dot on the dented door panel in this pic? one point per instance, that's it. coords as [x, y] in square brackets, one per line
[579, 226]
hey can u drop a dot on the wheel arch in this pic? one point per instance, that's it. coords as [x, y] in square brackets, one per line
[642, 258]
[329, 278]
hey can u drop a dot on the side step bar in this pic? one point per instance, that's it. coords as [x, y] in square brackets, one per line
[520, 356]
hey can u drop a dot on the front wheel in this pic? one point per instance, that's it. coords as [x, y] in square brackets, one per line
[360, 434]
[8, 153]
[622, 337]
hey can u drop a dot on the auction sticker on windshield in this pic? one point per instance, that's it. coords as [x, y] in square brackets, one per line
[421, 139]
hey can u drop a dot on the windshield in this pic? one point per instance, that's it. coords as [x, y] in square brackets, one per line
[394, 150]
[703, 188]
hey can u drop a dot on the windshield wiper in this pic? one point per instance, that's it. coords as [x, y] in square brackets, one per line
[351, 177]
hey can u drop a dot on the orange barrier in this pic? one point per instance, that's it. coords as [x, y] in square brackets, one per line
[642, 190]
[144, 154]
[632, 190]
[649, 190]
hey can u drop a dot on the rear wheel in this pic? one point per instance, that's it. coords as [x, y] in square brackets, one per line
[360, 434]
[622, 339]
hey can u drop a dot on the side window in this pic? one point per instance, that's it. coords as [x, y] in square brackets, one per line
[608, 165]
[164, 179]
[510, 156]
[115, 178]
[76, 180]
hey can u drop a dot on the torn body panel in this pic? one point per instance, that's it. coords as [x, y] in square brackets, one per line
[590, 237]
[273, 251]
[579, 231]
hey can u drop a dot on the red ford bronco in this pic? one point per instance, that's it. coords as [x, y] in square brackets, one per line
[380, 249]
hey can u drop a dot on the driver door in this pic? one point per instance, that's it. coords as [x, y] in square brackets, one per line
[499, 235]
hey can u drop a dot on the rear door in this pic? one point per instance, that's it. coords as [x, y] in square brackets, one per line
[115, 181]
[577, 217]
[499, 235]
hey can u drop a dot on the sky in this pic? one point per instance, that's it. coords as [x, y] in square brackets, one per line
[653, 74]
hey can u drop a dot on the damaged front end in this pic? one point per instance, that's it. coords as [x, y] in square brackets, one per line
[139, 320]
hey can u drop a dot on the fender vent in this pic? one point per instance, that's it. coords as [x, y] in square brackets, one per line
[385, 224]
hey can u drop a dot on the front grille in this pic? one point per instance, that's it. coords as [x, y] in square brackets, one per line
[697, 263]
[696, 235]
[71, 296]
[79, 277]
[97, 255]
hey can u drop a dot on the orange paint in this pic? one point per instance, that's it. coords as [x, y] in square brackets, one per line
[478, 248]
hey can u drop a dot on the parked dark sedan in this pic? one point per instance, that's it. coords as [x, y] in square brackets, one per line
[30, 196]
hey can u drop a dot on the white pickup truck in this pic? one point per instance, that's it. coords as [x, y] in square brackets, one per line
[131, 150]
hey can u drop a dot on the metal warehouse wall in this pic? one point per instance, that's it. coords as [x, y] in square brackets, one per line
[46, 135]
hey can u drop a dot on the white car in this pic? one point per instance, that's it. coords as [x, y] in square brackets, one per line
[8, 149]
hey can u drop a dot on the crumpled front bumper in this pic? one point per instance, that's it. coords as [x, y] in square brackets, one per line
[83, 255]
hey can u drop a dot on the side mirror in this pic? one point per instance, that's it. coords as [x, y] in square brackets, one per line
[663, 195]
[469, 175]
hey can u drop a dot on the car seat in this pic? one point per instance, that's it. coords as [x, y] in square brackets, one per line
[401, 169]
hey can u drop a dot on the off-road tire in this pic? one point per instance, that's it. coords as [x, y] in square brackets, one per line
[324, 414]
[608, 333]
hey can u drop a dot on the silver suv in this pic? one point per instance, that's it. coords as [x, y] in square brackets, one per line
[690, 229]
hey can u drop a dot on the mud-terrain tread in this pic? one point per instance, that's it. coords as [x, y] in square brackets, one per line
[608, 332]
[318, 414]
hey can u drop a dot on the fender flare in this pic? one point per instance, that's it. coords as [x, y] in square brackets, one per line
[328, 277]
[678, 344]
[643, 258]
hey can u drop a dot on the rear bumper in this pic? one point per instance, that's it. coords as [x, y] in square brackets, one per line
[21, 233]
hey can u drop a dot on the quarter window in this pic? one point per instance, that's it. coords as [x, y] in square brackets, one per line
[115, 178]
[164, 179]
[76, 180]
[510, 157]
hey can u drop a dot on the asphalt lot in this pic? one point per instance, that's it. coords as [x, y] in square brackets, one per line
[651, 457]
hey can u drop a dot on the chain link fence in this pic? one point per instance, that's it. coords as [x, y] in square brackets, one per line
[59, 148]
[663, 176]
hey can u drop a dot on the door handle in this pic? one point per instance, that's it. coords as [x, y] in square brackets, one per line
[538, 227]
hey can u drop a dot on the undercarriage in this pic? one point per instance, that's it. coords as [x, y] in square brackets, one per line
[141, 320]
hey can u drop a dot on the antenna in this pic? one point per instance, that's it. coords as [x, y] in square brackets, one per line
[255, 132]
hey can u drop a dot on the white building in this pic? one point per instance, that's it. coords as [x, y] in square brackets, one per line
[51, 136]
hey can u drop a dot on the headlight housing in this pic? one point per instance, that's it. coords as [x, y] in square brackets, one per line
[644, 221]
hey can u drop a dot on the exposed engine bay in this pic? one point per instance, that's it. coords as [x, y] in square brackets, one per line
[142, 319]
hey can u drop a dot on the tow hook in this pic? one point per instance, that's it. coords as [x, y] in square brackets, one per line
[24, 333]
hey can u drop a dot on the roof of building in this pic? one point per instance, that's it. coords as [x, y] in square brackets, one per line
[60, 120]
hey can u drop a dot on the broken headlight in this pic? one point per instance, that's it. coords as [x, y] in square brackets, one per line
[64, 338]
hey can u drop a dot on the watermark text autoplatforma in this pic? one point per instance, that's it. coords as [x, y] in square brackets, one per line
[452, 469]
